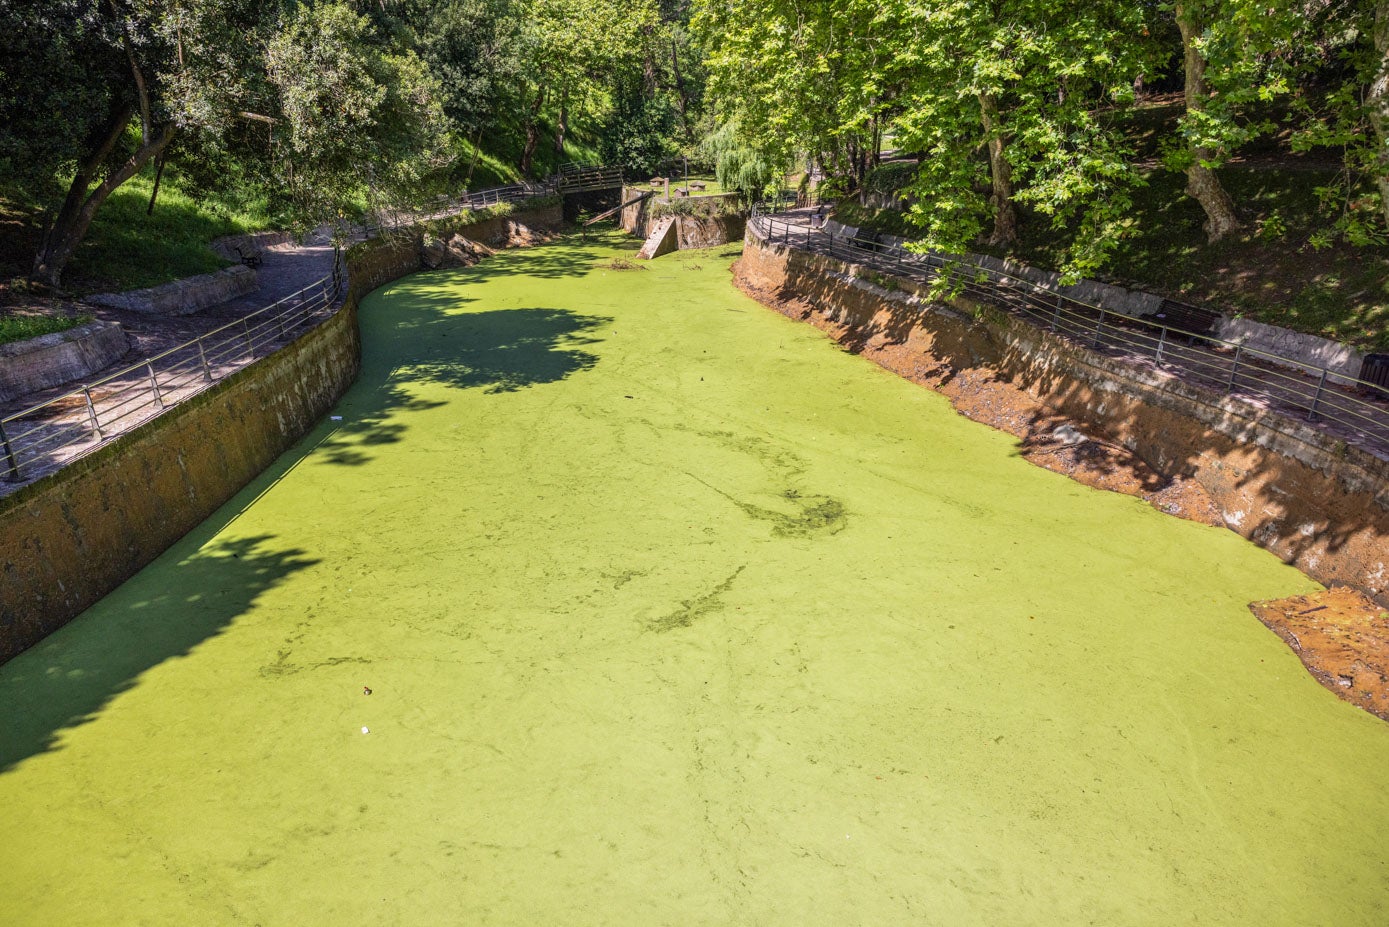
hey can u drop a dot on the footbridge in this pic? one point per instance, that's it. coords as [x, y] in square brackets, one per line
[586, 178]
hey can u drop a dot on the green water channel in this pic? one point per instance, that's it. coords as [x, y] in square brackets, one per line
[674, 613]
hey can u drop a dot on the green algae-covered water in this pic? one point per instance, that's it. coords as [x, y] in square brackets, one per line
[673, 613]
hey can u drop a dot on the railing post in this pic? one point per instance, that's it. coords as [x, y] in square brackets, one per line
[1056, 313]
[154, 384]
[1321, 385]
[91, 414]
[1099, 327]
[202, 356]
[246, 332]
[12, 467]
[1234, 366]
[1162, 339]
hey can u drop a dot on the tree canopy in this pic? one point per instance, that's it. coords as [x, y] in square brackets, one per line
[1010, 111]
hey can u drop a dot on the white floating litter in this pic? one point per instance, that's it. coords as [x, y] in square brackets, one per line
[366, 730]
[336, 418]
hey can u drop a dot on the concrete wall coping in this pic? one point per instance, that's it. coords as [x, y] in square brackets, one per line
[59, 357]
[226, 245]
[182, 297]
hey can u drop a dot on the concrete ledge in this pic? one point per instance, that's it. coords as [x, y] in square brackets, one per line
[182, 297]
[49, 360]
[255, 241]
[1317, 352]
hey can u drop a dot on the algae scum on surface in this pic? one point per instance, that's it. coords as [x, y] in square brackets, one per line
[674, 613]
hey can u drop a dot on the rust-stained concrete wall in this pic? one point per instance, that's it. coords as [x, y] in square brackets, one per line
[1313, 500]
[708, 222]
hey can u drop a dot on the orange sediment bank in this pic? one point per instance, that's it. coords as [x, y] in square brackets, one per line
[1343, 640]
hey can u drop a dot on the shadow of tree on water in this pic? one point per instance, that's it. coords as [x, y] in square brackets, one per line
[67, 679]
[494, 351]
[201, 585]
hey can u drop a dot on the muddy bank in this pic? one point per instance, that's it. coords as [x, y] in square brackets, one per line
[1343, 640]
[1312, 500]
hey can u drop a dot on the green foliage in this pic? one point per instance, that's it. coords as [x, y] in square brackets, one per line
[640, 132]
[21, 327]
[740, 165]
[891, 177]
[350, 112]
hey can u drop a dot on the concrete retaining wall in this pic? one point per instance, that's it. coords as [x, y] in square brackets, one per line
[700, 232]
[185, 296]
[70, 538]
[38, 363]
[1311, 499]
[708, 224]
[254, 241]
[1314, 351]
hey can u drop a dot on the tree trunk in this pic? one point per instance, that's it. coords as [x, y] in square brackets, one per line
[681, 95]
[62, 237]
[477, 150]
[1377, 102]
[79, 208]
[562, 125]
[158, 176]
[1005, 233]
[532, 132]
[1201, 183]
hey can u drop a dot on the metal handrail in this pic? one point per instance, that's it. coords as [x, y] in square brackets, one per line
[49, 434]
[1317, 392]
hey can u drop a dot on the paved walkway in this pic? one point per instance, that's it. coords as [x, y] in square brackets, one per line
[62, 431]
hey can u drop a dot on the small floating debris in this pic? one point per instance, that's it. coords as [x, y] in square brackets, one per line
[366, 690]
[365, 729]
[336, 418]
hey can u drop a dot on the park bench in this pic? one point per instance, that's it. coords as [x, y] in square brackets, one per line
[250, 255]
[1192, 320]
